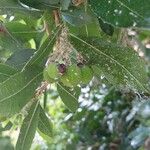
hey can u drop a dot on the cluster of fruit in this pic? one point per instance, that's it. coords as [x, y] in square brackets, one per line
[70, 76]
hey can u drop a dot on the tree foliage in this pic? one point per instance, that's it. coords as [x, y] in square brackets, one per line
[91, 54]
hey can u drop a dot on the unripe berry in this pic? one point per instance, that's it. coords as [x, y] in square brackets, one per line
[46, 76]
[53, 71]
[72, 76]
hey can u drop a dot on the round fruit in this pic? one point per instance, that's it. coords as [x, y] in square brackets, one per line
[72, 76]
[86, 75]
[46, 76]
[65, 80]
[62, 68]
[53, 71]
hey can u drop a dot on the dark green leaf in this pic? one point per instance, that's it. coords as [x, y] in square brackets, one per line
[8, 41]
[123, 13]
[69, 96]
[45, 125]
[28, 128]
[18, 90]
[5, 72]
[21, 31]
[14, 6]
[20, 58]
[76, 17]
[41, 4]
[121, 66]
[42, 53]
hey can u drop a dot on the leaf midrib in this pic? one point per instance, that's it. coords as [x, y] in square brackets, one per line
[29, 125]
[67, 92]
[44, 125]
[2, 100]
[97, 50]
[121, 3]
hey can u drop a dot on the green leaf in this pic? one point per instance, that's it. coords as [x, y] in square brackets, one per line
[123, 13]
[28, 128]
[69, 96]
[21, 31]
[14, 6]
[120, 65]
[20, 58]
[76, 17]
[41, 4]
[90, 29]
[45, 125]
[8, 41]
[17, 90]
[5, 72]
[42, 53]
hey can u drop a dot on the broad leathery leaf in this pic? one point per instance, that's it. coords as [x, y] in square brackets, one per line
[28, 128]
[14, 6]
[69, 96]
[123, 13]
[45, 125]
[41, 4]
[21, 31]
[17, 90]
[76, 17]
[6, 71]
[91, 29]
[7, 4]
[19, 59]
[7, 41]
[42, 53]
[120, 65]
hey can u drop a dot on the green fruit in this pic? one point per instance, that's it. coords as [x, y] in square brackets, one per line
[72, 76]
[46, 76]
[86, 75]
[65, 80]
[53, 72]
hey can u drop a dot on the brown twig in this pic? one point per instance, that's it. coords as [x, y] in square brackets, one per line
[56, 15]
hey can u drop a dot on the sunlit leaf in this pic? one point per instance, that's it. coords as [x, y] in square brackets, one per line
[17, 90]
[123, 13]
[40, 57]
[120, 65]
[5, 72]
